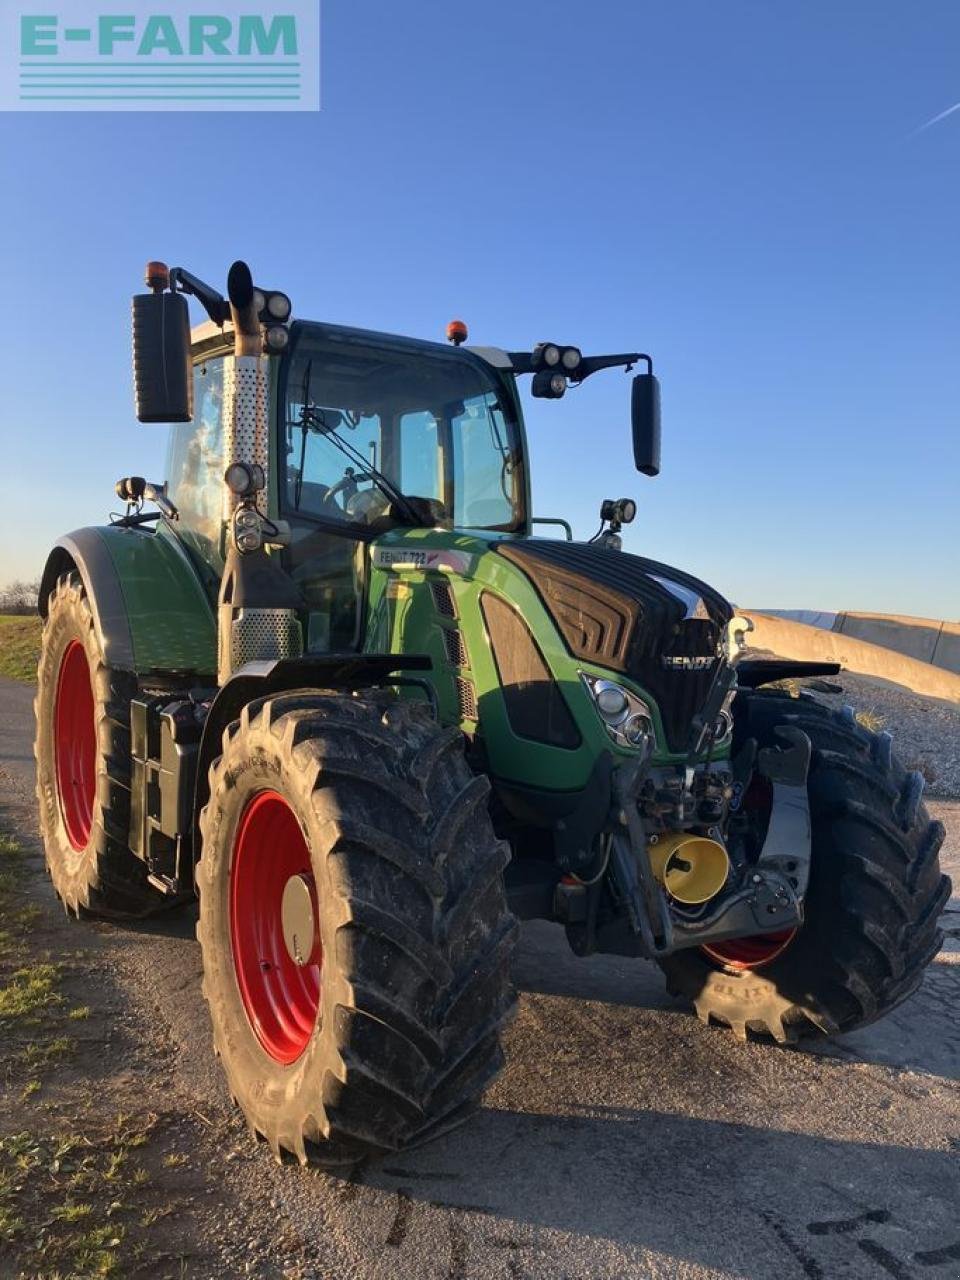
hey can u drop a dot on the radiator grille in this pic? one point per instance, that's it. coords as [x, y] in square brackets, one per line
[443, 599]
[455, 648]
[467, 697]
[657, 624]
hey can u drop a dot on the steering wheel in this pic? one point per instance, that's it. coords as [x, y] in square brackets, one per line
[367, 505]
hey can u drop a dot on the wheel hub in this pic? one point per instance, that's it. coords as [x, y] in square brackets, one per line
[299, 920]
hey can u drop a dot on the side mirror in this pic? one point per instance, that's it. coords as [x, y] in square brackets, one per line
[162, 369]
[645, 418]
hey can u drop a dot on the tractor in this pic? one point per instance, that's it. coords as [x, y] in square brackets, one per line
[325, 679]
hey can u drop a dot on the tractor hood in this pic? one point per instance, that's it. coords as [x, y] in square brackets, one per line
[661, 627]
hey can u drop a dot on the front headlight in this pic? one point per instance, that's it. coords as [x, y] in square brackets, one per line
[626, 717]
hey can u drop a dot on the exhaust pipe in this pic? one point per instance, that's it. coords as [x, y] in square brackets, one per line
[258, 602]
[693, 869]
[247, 336]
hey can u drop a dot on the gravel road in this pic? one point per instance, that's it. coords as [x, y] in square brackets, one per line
[623, 1140]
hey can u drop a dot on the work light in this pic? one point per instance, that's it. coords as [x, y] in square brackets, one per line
[276, 337]
[548, 386]
[279, 306]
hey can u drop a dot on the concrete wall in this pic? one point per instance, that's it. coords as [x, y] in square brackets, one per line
[924, 639]
[795, 640]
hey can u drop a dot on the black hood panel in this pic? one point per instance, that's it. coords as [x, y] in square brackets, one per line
[659, 625]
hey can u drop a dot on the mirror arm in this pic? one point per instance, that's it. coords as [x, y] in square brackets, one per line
[593, 364]
[215, 305]
[522, 362]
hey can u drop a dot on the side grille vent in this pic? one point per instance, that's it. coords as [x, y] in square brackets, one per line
[443, 599]
[454, 647]
[534, 704]
[467, 697]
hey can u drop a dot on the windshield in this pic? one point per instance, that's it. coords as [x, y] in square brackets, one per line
[368, 423]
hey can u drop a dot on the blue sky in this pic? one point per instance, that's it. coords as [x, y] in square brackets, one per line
[738, 188]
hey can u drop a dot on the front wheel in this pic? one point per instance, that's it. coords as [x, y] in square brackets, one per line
[353, 924]
[873, 901]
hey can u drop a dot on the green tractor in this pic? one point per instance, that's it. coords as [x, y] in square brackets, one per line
[330, 682]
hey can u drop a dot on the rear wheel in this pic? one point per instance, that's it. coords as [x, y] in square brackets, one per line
[873, 902]
[353, 924]
[82, 748]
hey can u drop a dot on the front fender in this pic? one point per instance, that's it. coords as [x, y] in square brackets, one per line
[151, 612]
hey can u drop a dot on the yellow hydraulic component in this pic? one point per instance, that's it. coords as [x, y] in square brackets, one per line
[691, 868]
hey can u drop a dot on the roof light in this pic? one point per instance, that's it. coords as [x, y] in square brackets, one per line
[571, 358]
[456, 332]
[157, 276]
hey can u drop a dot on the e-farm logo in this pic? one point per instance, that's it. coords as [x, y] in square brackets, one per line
[78, 56]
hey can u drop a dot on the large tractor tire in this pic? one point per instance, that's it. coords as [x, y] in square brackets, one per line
[873, 901]
[82, 749]
[353, 924]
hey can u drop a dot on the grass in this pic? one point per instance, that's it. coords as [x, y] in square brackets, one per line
[83, 1193]
[870, 720]
[29, 990]
[63, 1198]
[19, 647]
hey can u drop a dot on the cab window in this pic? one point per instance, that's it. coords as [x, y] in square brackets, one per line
[195, 465]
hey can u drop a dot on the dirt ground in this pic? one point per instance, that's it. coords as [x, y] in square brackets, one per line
[623, 1140]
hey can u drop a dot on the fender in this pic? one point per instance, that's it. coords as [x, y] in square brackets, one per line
[150, 609]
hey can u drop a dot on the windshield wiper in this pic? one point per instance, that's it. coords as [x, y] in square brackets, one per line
[314, 419]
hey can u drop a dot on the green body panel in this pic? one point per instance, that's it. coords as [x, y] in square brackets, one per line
[402, 617]
[172, 623]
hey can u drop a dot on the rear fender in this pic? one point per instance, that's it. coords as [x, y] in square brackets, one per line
[150, 610]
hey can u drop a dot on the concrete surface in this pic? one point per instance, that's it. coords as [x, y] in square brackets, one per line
[624, 1141]
[790, 639]
[926, 639]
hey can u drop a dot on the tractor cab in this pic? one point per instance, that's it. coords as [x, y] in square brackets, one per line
[367, 433]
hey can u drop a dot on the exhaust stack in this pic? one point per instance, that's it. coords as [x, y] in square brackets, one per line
[247, 337]
[258, 603]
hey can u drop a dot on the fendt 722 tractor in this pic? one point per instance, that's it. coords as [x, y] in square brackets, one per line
[330, 682]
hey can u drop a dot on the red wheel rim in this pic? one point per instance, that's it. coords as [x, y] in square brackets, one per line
[280, 998]
[750, 953]
[75, 745]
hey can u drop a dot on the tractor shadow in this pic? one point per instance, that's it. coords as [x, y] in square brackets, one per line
[734, 1198]
[621, 1119]
[922, 1035]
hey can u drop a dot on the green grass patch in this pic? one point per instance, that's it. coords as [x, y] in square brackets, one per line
[28, 991]
[19, 647]
[38, 1055]
[61, 1206]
